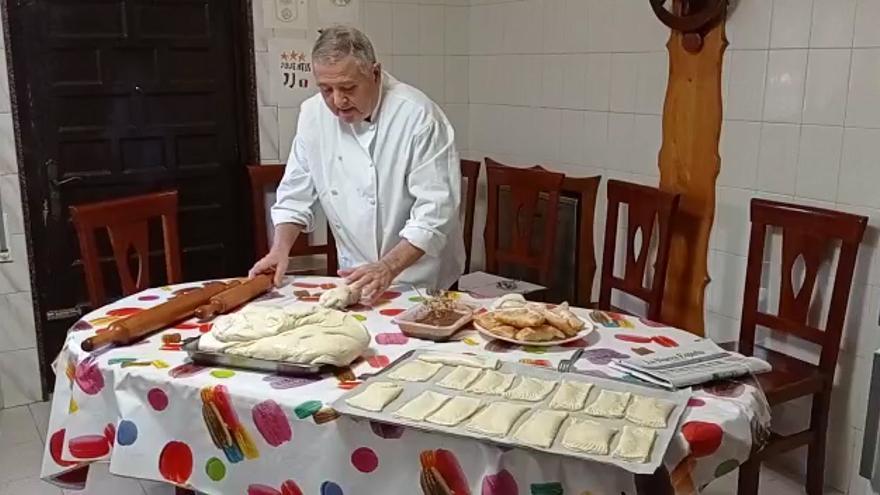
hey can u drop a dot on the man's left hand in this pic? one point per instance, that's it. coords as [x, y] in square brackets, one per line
[372, 279]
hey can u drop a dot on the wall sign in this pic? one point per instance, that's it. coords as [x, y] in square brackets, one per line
[291, 71]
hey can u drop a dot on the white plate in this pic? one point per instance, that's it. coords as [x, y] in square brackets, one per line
[587, 330]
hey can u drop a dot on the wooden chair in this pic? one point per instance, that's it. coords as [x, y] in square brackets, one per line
[269, 176]
[525, 187]
[127, 224]
[584, 190]
[470, 170]
[645, 207]
[808, 234]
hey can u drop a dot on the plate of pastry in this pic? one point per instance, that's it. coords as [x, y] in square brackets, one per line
[515, 320]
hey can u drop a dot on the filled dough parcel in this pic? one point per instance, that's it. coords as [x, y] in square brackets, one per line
[422, 406]
[492, 383]
[540, 429]
[460, 377]
[455, 411]
[571, 396]
[609, 404]
[415, 371]
[635, 444]
[590, 437]
[451, 359]
[531, 390]
[497, 418]
[375, 397]
[648, 411]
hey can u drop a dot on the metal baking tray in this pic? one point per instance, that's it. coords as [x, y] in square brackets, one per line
[191, 346]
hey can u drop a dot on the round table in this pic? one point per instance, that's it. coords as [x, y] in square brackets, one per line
[141, 408]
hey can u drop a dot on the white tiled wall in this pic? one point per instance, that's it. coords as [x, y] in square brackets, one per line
[19, 371]
[579, 85]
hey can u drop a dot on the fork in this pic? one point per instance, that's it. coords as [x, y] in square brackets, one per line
[566, 365]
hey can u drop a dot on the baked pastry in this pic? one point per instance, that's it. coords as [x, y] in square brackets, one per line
[562, 318]
[520, 317]
[542, 333]
[505, 331]
[488, 321]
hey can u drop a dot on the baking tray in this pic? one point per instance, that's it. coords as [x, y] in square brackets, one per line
[413, 389]
[191, 346]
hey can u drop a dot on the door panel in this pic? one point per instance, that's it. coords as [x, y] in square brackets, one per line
[125, 97]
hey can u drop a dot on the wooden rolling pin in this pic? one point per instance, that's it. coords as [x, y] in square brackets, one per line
[141, 324]
[234, 297]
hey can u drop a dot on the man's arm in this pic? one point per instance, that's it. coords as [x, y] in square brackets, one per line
[373, 279]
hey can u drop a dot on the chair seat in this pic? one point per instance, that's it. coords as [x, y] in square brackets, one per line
[791, 378]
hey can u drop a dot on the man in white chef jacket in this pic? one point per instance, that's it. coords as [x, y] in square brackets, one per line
[380, 158]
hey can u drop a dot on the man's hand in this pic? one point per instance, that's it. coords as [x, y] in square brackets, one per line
[274, 263]
[371, 279]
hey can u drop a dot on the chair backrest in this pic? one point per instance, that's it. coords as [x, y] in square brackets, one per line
[127, 224]
[646, 207]
[811, 235]
[269, 176]
[525, 187]
[470, 170]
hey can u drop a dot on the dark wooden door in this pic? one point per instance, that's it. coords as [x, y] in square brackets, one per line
[121, 97]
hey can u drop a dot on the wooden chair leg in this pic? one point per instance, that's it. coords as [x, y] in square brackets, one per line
[816, 452]
[749, 477]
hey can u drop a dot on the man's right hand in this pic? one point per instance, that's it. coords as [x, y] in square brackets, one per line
[273, 263]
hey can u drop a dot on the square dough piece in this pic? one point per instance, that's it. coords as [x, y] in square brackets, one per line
[419, 408]
[531, 390]
[460, 378]
[451, 359]
[609, 404]
[540, 428]
[492, 383]
[571, 396]
[648, 411]
[375, 397]
[415, 371]
[455, 411]
[584, 435]
[497, 419]
[635, 444]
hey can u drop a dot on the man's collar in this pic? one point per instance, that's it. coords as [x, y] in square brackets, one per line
[375, 113]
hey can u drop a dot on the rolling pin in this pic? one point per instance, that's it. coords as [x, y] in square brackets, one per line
[234, 297]
[139, 325]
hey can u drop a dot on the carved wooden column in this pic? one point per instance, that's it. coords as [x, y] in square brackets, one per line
[689, 160]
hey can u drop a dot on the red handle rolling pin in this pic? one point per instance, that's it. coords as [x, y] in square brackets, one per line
[234, 297]
[141, 324]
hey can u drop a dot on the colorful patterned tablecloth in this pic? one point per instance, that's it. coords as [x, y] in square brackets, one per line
[144, 408]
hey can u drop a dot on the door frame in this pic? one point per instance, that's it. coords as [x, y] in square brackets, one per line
[32, 177]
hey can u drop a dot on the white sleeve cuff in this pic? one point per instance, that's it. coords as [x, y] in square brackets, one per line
[428, 240]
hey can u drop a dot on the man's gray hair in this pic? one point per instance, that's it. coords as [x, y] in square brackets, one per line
[337, 42]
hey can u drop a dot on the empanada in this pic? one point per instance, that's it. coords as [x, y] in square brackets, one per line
[648, 411]
[487, 321]
[588, 436]
[506, 331]
[571, 396]
[520, 317]
[460, 377]
[539, 429]
[423, 405]
[635, 444]
[609, 404]
[542, 333]
[530, 389]
[497, 419]
[415, 371]
[376, 396]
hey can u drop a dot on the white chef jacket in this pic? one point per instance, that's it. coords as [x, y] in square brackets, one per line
[394, 177]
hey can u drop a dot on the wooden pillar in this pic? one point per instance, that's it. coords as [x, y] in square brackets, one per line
[689, 164]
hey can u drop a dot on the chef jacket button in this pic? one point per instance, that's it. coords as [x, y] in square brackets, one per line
[334, 192]
[372, 201]
[340, 158]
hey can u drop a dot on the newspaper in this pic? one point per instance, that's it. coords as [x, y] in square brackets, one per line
[691, 364]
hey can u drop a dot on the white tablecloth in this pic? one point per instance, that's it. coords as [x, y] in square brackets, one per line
[141, 409]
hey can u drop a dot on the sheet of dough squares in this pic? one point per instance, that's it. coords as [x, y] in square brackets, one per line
[524, 432]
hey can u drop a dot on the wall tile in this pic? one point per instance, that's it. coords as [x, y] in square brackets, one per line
[261, 68]
[746, 87]
[495, 28]
[864, 96]
[432, 78]
[457, 75]
[624, 75]
[819, 162]
[456, 38]
[574, 82]
[791, 23]
[722, 328]
[14, 276]
[777, 160]
[833, 23]
[553, 26]
[784, 93]
[730, 232]
[859, 173]
[860, 335]
[20, 377]
[405, 29]
[866, 32]
[728, 274]
[601, 32]
[648, 133]
[575, 26]
[621, 134]
[530, 80]
[17, 331]
[826, 87]
[546, 125]
[458, 116]
[739, 147]
[287, 122]
[598, 88]
[8, 160]
[379, 26]
[268, 117]
[10, 196]
[4, 84]
[748, 25]
[596, 139]
[552, 81]
[652, 79]
[573, 143]
[432, 29]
